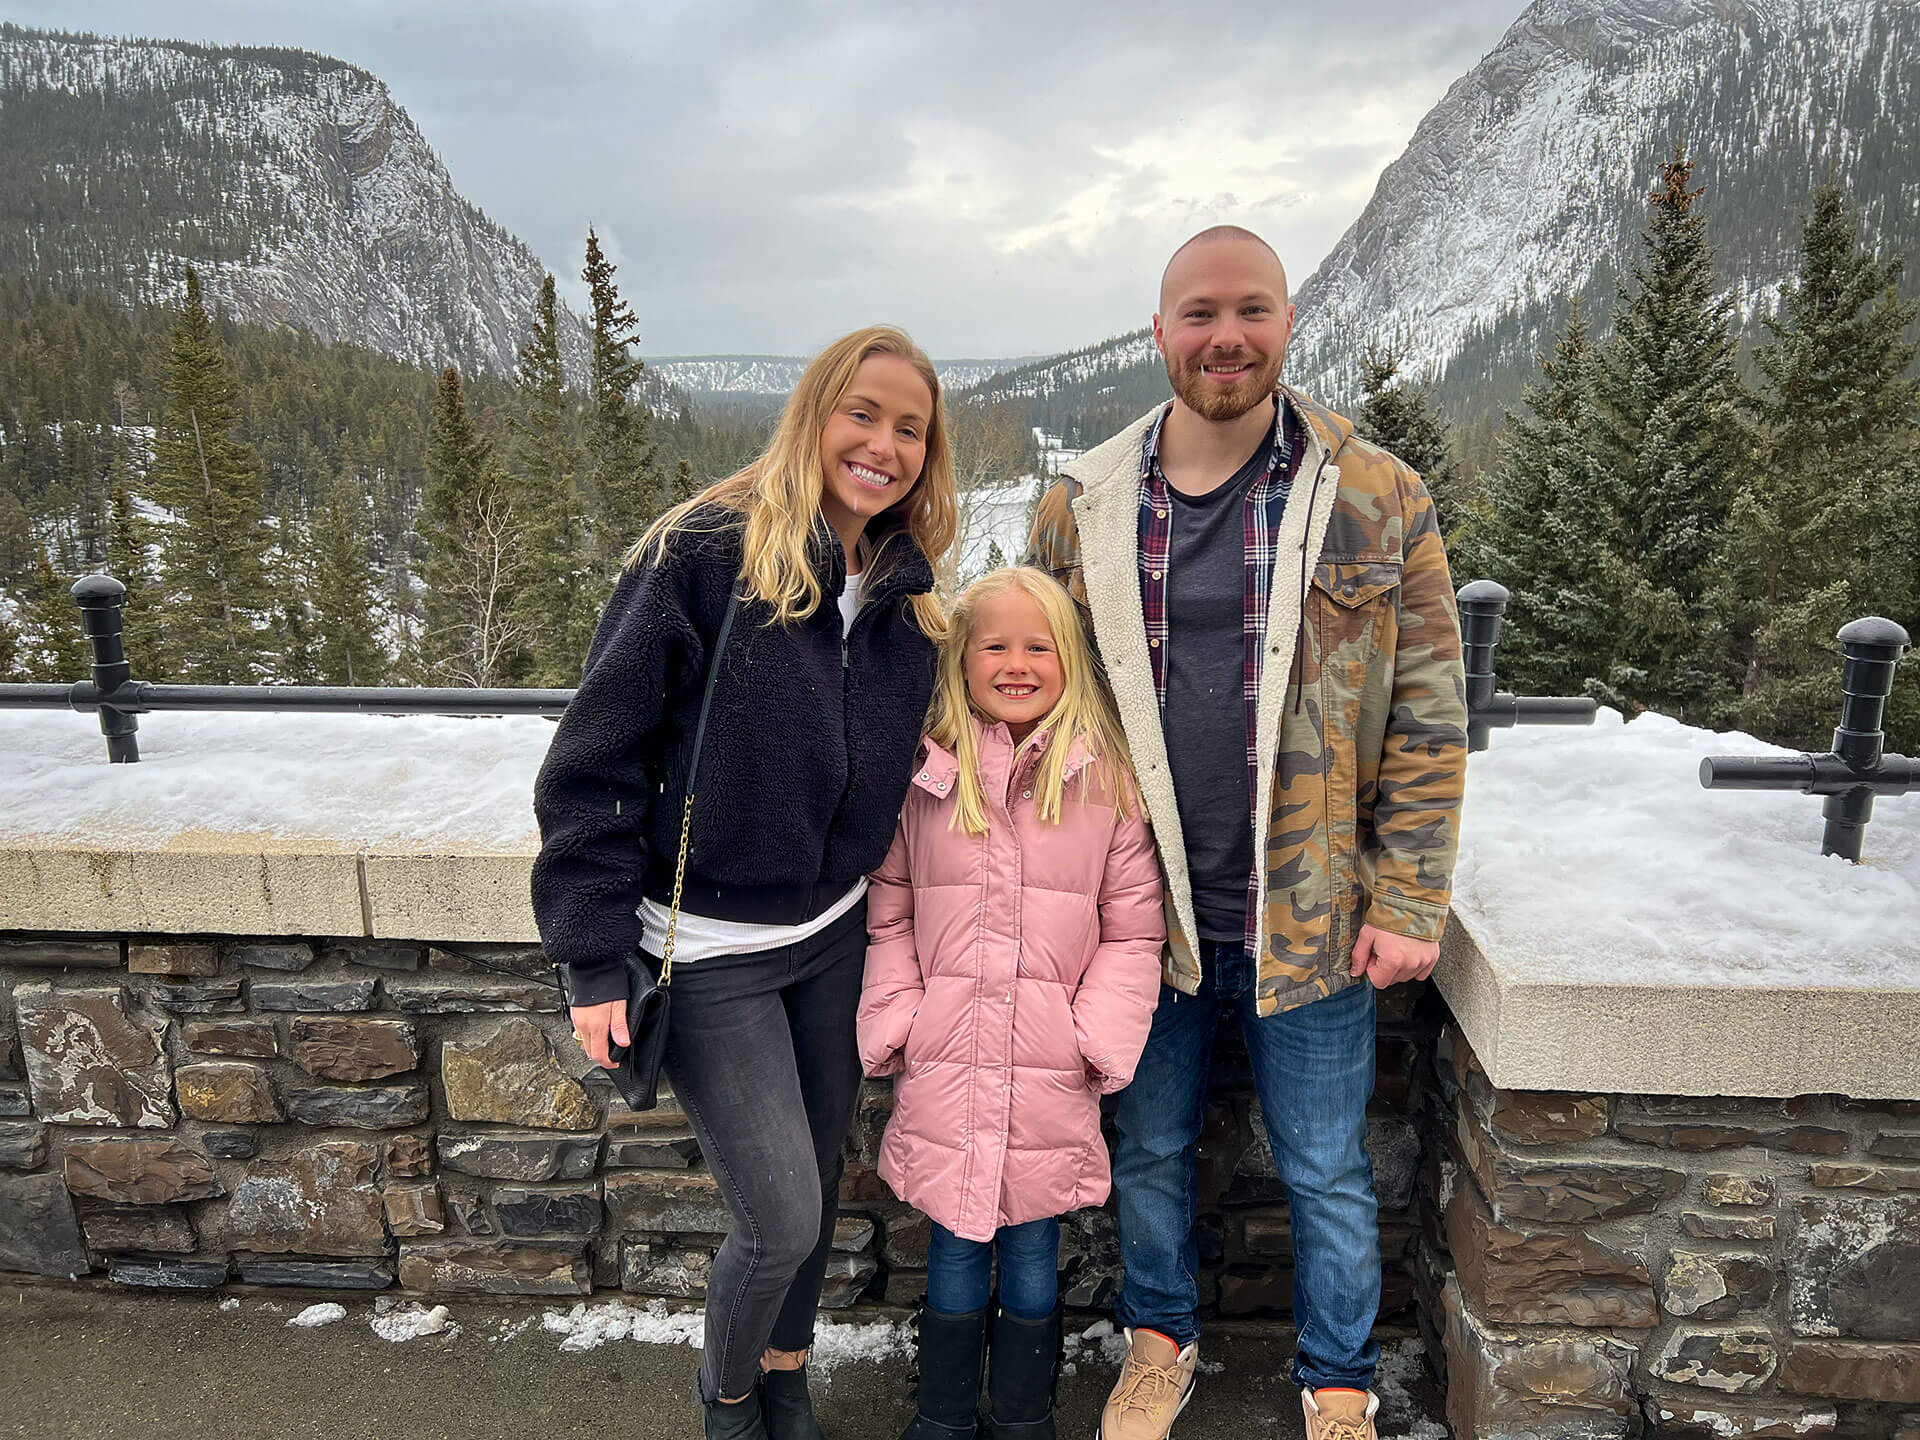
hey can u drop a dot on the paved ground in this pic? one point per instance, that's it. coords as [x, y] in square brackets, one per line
[97, 1364]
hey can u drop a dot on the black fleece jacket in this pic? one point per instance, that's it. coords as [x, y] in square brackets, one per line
[809, 748]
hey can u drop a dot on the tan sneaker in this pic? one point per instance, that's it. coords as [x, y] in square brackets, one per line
[1156, 1382]
[1340, 1414]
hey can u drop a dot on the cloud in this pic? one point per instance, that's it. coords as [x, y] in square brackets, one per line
[1002, 178]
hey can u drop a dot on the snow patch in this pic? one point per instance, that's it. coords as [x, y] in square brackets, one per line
[411, 1321]
[588, 1327]
[315, 1315]
[1402, 1366]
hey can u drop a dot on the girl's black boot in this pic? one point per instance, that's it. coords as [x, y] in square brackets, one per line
[745, 1420]
[1024, 1368]
[788, 1405]
[951, 1349]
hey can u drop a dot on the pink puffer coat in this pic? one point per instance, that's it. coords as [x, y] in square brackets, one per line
[1011, 981]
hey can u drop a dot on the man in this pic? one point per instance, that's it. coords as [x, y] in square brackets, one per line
[1270, 597]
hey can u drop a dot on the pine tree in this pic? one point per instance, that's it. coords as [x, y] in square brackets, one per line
[129, 560]
[10, 671]
[1815, 537]
[1399, 416]
[474, 550]
[290, 575]
[211, 565]
[1671, 449]
[623, 486]
[347, 648]
[555, 605]
[52, 649]
[1538, 527]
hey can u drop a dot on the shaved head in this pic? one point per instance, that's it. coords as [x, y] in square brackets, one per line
[1221, 235]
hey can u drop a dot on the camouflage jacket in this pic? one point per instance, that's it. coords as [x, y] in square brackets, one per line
[1368, 733]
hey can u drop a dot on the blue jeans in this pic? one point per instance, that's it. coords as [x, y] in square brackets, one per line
[960, 1272]
[1313, 1070]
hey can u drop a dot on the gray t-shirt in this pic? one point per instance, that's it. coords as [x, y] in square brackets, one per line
[1205, 719]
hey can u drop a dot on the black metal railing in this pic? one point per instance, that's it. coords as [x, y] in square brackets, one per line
[118, 698]
[1858, 768]
[1482, 605]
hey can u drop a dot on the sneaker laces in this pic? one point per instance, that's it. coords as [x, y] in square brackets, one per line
[1144, 1385]
[1331, 1429]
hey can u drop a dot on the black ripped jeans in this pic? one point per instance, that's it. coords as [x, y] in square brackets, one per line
[762, 1056]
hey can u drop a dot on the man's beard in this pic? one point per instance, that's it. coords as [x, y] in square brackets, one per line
[1210, 400]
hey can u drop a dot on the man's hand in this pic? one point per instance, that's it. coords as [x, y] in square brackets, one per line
[593, 1024]
[1386, 958]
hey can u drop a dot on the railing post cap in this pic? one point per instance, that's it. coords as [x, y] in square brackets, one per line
[92, 592]
[1485, 592]
[1875, 632]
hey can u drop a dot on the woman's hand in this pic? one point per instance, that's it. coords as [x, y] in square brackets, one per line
[595, 1025]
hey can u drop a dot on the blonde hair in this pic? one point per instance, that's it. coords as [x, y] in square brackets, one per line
[776, 497]
[1084, 712]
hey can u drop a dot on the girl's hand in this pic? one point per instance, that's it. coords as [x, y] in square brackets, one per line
[595, 1025]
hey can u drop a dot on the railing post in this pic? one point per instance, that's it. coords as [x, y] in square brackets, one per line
[1872, 647]
[102, 600]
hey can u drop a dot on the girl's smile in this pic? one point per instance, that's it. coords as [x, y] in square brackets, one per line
[1012, 663]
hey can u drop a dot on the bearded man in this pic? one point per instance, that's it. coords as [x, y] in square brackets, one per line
[1270, 597]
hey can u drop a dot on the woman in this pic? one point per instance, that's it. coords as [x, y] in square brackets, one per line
[816, 714]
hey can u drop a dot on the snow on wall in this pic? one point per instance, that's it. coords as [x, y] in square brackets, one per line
[1587, 855]
[1593, 855]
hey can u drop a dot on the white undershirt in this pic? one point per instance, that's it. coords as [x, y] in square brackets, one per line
[700, 936]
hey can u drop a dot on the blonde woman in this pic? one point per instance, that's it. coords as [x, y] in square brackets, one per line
[1011, 982]
[819, 696]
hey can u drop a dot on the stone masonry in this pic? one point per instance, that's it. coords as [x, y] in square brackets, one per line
[1617, 1265]
[343, 1114]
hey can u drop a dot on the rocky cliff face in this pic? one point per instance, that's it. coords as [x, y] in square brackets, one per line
[303, 194]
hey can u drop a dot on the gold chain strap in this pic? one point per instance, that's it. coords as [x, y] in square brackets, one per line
[673, 912]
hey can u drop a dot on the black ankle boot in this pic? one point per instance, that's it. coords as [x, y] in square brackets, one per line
[788, 1405]
[1023, 1370]
[951, 1347]
[742, 1421]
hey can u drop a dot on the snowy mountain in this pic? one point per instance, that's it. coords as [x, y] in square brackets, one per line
[768, 375]
[302, 193]
[1526, 186]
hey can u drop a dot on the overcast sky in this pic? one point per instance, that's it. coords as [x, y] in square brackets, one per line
[1000, 178]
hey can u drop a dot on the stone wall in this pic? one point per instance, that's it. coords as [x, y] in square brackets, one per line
[1601, 1265]
[361, 1114]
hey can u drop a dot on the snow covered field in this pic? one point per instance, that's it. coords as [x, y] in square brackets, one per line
[1588, 855]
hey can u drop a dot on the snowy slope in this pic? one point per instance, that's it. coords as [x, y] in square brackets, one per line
[303, 194]
[778, 374]
[1526, 186]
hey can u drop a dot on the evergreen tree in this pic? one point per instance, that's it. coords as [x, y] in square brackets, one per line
[554, 606]
[623, 485]
[474, 550]
[1399, 416]
[211, 565]
[1815, 538]
[347, 648]
[52, 649]
[1671, 449]
[290, 574]
[10, 671]
[129, 560]
[1538, 530]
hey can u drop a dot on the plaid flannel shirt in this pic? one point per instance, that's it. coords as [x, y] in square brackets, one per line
[1260, 524]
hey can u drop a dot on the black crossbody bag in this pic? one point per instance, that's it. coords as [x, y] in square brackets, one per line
[636, 1067]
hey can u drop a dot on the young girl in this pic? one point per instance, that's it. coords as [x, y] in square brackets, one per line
[1015, 960]
[818, 699]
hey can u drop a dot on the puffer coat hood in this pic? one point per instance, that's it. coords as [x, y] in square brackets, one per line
[1010, 982]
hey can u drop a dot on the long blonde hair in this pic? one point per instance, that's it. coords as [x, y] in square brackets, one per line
[1084, 712]
[776, 497]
